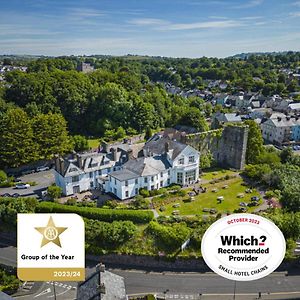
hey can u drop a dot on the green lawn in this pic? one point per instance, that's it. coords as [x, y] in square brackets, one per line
[216, 173]
[209, 199]
[93, 143]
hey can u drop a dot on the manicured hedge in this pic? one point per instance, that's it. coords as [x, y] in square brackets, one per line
[106, 215]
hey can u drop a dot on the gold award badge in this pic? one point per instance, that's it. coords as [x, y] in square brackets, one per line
[51, 247]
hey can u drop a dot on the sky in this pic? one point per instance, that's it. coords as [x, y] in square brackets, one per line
[177, 28]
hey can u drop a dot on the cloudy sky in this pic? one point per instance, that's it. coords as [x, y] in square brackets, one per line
[179, 28]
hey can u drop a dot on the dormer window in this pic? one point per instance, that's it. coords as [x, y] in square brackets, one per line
[191, 159]
[72, 170]
[181, 161]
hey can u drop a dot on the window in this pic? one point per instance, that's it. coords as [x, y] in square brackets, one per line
[136, 191]
[191, 159]
[91, 174]
[115, 181]
[190, 176]
[179, 178]
[161, 183]
[168, 182]
[108, 170]
[115, 191]
[126, 194]
[99, 172]
[145, 179]
[91, 184]
[161, 174]
[75, 178]
[126, 182]
[72, 169]
[169, 172]
[152, 187]
[136, 181]
[152, 178]
[181, 161]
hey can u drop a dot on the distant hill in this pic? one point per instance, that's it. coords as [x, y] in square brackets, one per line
[247, 54]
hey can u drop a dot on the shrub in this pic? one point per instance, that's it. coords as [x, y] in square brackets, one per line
[107, 215]
[105, 234]
[3, 176]
[170, 237]
[71, 201]
[145, 193]
[54, 192]
[269, 194]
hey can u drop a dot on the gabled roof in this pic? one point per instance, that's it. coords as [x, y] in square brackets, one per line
[159, 147]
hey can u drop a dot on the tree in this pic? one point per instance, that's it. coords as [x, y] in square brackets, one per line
[3, 176]
[80, 143]
[254, 144]
[148, 133]
[286, 155]
[51, 135]
[54, 192]
[194, 118]
[17, 145]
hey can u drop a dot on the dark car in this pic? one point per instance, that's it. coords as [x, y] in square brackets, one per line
[6, 195]
[16, 179]
[26, 172]
[255, 198]
[15, 195]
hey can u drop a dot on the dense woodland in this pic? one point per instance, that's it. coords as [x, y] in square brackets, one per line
[124, 95]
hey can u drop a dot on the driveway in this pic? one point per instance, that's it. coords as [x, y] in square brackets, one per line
[42, 179]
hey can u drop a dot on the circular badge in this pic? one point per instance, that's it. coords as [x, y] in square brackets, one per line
[243, 247]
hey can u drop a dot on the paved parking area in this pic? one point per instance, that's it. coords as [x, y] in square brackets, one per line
[43, 180]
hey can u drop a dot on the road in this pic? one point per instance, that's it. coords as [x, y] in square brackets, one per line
[43, 180]
[179, 285]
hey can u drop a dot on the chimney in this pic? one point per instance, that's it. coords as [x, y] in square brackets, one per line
[279, 119]
[79, 161]
[56, 162]
[105, 147]
[114, 154]
[61, 165]
[167, 147]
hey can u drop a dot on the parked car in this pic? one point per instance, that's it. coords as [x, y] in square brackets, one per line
[16, 179]
[22, 186]
[26, 172]
[255, 198]
[6, 195]
[244, 204]
[15, 195]
[42, 168]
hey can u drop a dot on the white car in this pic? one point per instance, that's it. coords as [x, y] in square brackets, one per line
[42, 168]
[22, 186]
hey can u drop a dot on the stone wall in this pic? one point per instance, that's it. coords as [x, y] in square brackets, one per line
[228, 147]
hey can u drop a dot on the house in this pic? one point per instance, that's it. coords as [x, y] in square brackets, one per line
[123, 169]
[222, 118]
[164, 162]
[281, 130]
[296, 131]
[82, 172]
[293, 108]
[220, 99]
[85, 67]
[101, 284]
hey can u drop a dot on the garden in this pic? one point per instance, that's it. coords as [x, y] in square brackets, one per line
[219, 194]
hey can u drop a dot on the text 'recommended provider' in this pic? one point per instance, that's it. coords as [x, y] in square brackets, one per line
[51, 247]
[243, 247]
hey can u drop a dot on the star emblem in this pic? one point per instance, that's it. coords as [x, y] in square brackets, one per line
[51, 233]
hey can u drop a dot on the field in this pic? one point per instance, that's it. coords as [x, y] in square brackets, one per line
[208, 200]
